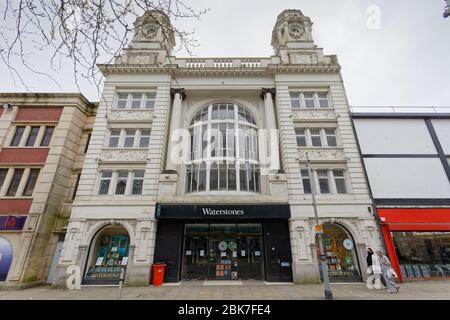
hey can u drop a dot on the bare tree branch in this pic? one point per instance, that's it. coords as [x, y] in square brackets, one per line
[82, 32]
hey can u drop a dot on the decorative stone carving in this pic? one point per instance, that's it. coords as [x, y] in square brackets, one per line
[131, 115]
[291, 25]
[272, 91]
[324, 154]
[154, 26]
[137, 57]
[300, 230]
[153, 40]
[124, 155]
[315, 114]
[296, 30]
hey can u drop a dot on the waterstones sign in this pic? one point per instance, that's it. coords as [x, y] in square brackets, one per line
[212, 211]
[224, 212]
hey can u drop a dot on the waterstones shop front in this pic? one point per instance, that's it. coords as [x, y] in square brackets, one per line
[224, 242]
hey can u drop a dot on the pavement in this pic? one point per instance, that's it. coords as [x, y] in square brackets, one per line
[420, 290]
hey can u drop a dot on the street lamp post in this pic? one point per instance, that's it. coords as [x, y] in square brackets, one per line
[319, 232]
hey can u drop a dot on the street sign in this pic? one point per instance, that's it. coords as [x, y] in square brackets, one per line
[318, 228]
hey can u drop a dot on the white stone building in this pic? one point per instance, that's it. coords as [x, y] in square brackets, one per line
[234, 205]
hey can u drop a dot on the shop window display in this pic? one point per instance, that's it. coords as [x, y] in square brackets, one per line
[341, 256]
[423, 254]
[109, 256]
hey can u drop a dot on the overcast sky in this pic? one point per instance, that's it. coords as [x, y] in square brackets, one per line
[405, 62]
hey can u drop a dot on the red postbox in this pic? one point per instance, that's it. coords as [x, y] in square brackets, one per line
[158, 273]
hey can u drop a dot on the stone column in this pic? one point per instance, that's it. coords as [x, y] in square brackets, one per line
[175, 123]
[271, 127]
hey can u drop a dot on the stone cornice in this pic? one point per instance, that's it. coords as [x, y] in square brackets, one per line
[50, 100]
[214, 71]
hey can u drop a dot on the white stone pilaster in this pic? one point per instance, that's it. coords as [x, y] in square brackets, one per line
[273, 152]
[175, 124]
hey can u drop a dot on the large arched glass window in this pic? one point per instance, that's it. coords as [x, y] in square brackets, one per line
[224, 150]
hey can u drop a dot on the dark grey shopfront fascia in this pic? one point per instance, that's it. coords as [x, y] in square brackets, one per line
[224, 242]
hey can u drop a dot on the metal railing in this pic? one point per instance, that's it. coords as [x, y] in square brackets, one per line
[399, 109]
[223, 62]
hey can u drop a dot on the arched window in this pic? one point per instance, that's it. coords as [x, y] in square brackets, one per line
[224, 150]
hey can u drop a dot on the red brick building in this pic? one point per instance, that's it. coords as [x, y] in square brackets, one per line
[43, 139]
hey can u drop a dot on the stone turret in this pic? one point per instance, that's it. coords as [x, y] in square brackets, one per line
[292, 40]
[153, 40]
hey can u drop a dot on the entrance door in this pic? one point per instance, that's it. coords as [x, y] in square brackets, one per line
[250, 251]
[168, 247]
[278, 252]
[223, 259]
[223, 251]
[195, 258]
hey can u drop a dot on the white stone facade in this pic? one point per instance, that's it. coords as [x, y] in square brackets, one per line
[263, 86]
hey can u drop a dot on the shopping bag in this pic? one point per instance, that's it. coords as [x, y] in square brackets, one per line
[392, 273]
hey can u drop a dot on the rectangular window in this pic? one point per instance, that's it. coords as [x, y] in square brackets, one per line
[243, 177]
[144, 140]
[122, 100]
[114, 139]
[223, 176]
[188, 178]
[3, 173]
[121, 184]
[17, 136]
[315, 137]
[306, 181]
[129, 138]
[150, 101]
[138, 182]
[214, 177]
[323, 100]
[105, 181]
[47, 136]
[32, 136]
[324, 184]
[195, 173]
[340, 181]
[15, 181]
[331, 137]
[301, 137]
[309, 100]
[295, 100]
[31, 183]
[231, 177]
[202, 177]
[136, 100]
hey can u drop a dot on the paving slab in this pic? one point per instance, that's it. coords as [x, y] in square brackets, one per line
[421, 290]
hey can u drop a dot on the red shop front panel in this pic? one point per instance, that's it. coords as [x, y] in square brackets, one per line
[410, 219]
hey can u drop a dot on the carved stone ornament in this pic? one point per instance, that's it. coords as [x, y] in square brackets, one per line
[127, 115]
[154, 26]
[324, 154]
[296, 30]
[290, 25]
[315, 114]
[124, 155]
[74, 229]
